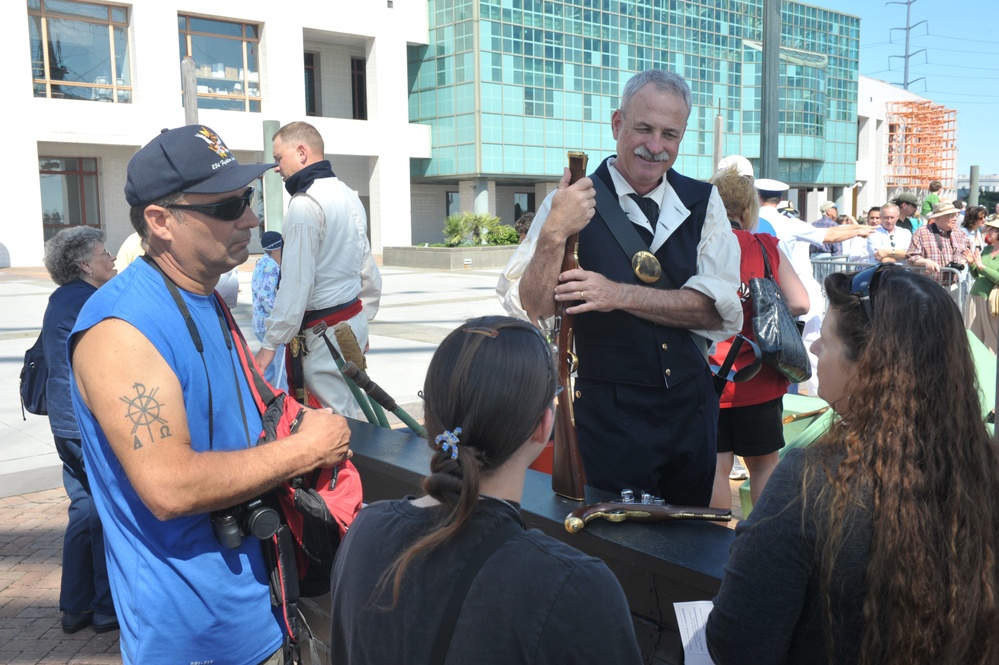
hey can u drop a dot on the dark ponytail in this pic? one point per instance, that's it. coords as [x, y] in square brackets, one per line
[492, 378]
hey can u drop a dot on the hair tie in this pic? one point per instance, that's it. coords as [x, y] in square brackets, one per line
[448, 441]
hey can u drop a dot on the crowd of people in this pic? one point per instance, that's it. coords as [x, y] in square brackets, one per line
[877, 544]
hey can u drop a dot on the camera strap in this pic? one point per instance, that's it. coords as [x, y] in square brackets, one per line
[192, 329]
[935, 231]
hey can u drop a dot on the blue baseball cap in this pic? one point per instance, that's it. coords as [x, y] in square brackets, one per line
[271, 240]
[191, 159]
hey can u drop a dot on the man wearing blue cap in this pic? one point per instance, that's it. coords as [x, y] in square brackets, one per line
[264, 286]
[169, 424]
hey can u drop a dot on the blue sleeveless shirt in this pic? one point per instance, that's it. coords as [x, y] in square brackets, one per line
[181, 597]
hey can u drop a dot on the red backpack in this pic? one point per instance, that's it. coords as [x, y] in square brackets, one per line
[317, 507]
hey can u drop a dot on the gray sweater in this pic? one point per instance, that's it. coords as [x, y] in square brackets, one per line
[769, 608]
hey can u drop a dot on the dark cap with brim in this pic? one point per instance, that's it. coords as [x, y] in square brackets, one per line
[191, 159]
[271, 240]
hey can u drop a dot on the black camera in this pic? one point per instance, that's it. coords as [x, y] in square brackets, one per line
[955, 265]
[251, 518]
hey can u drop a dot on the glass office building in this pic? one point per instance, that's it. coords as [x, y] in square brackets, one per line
[509, 86]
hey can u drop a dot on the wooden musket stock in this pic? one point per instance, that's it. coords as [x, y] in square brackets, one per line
[614, 511]
[568, 476]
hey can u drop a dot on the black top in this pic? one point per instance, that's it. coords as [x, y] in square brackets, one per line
[536, 600]
[769, 608]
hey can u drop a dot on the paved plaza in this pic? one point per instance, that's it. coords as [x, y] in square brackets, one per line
[418, 309]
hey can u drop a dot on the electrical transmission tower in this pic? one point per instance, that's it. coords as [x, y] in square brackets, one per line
[908, 29]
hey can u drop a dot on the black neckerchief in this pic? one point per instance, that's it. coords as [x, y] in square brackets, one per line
[302, 180]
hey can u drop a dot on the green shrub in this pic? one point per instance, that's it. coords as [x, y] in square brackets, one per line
[471, 229]
[503, 234]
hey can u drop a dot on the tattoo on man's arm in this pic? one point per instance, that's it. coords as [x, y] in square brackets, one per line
[144, 412]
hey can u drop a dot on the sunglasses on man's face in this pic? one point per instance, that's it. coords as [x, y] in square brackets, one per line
[228, 211]
[864, 283]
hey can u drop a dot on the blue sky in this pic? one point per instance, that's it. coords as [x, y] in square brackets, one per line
[960, 64]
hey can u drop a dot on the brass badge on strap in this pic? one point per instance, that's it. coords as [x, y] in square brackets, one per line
[646, 267]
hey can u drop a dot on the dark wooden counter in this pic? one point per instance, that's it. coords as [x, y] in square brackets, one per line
[657, 564]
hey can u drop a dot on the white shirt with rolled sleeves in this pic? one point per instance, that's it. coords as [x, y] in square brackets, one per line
[717, 253]
[899, 239]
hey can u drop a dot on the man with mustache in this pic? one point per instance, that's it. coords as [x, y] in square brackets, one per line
[645, 406]
[169, 424]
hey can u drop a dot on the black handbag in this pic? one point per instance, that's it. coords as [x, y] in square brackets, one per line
[775, 329]
[34, 376]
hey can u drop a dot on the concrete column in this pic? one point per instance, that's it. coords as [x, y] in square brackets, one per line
[541, 190]
[388, 105]
[273, 185]
[467, 191]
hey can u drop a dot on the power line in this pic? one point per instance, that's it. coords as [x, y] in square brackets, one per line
[960, 94]
[963, 39]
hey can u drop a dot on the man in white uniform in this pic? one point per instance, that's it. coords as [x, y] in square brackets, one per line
[794, 238]
[327, 272]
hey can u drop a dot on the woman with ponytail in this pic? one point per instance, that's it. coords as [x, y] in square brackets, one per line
[488, 400]
[878, 544]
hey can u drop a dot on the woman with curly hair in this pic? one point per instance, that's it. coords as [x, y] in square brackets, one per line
[880, 542]
[488, 406]
[79, 263]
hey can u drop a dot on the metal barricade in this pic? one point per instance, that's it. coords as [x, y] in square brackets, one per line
[822, 268]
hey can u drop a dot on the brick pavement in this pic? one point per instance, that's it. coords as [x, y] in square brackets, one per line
[31, 530]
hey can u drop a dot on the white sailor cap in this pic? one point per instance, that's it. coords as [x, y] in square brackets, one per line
[768, 185]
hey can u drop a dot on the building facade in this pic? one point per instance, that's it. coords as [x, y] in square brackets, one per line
[91, 82]
[428, 107]
[508, 86]
[878, 150]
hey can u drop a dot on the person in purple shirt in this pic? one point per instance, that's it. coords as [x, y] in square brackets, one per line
[827, 221]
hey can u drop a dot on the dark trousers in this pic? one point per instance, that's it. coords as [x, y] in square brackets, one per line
[84, 568]
[659, 440]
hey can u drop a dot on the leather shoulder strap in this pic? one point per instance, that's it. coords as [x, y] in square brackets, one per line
[622, 228]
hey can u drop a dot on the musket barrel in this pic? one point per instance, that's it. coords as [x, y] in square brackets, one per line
[568, 475]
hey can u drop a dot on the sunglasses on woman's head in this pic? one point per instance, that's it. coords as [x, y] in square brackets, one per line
[228, 210]
[863, 284]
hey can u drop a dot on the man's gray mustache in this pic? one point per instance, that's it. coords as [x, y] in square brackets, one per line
[644, 153]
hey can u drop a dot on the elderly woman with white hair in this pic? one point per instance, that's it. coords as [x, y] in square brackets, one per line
[79, 263]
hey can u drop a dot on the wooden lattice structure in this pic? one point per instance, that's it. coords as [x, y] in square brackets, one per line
[921, 146]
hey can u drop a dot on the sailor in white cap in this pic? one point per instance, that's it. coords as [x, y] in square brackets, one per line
[795, 237]
[745, 168]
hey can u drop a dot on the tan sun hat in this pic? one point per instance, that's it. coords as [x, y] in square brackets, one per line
[942, 209]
